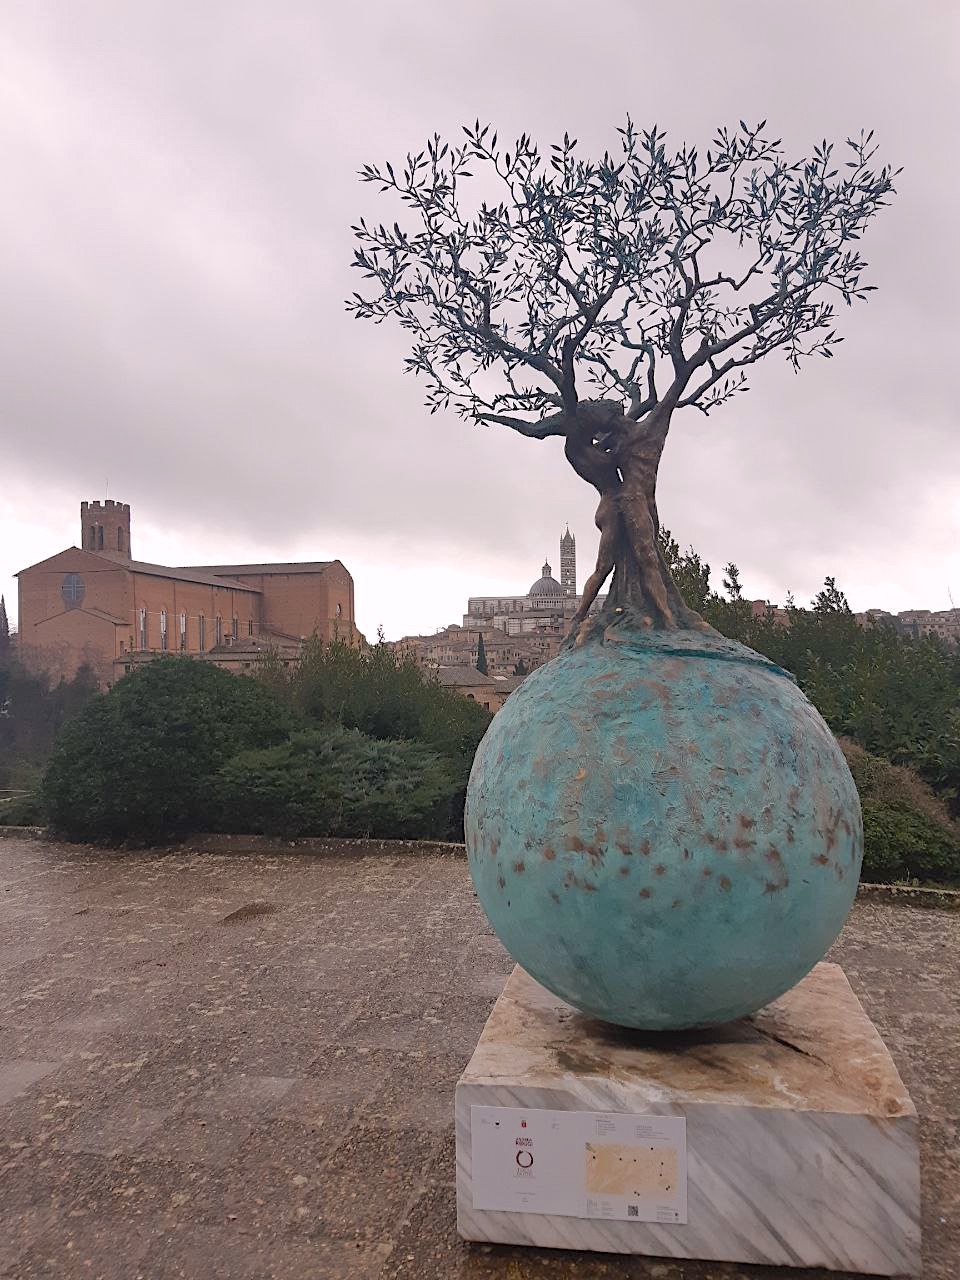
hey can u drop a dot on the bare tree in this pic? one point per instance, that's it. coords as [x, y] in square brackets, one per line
[651, 278]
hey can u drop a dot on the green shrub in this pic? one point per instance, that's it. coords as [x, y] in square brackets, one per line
[385, 695]
[33, 709]
[907, 832]
[138, 762]
[339, 782]
[22, 811]
[894, 692]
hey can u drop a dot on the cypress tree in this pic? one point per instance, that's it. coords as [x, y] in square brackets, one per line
[481, 656]
[4, 628]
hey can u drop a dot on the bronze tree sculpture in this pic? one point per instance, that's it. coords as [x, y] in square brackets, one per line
[661, 829]
[524, 278]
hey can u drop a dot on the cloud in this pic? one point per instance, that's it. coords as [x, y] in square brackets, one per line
[174, 249]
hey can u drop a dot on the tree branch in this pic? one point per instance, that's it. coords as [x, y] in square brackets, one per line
[552, 426]
[638, 406]
[525, 282]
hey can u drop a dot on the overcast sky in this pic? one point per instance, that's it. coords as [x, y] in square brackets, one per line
[178, 184]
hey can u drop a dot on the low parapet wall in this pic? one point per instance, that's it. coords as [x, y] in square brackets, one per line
[335, 846]
[218, 842]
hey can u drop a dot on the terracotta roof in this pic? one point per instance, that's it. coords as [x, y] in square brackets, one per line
[468, 677]
[209, 576]
[295, 566]
[265, 642]
[242, 644]
[110, 617]
[206, 577]
[509, 682]
[82, 551]
[271, 633]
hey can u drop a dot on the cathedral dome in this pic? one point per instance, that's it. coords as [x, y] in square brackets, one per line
[546, 586]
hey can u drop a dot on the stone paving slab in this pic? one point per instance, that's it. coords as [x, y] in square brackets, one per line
[243, 1065]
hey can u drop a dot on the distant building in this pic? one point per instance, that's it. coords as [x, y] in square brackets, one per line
[516, 615]
[519, 632]
[95, 604]
[547, 606]
[944, 623]
[568, 563]
[764, 609]
[488, 691]
[911, 622]
[507, 655]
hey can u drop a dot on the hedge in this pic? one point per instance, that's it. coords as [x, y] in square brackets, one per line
[138, 762]
[339, 782]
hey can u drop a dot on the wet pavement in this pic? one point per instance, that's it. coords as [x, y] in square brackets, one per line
[217, 1065]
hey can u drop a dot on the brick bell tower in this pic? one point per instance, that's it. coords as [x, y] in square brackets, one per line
[105, 528]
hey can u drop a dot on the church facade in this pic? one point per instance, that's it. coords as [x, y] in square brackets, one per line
[94, 604]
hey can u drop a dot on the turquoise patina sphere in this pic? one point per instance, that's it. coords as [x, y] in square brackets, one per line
[662, 830]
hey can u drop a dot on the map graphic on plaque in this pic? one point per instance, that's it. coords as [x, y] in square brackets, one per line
[580, 1164]
[615, 1169]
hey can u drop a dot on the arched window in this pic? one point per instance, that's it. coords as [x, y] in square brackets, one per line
[183, 631]
[142, 627]
[163, 629]
[99, 537]
[218, 630]
[235, 626]
[202, 633]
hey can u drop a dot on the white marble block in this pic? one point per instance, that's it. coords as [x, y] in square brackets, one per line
[801, 1144]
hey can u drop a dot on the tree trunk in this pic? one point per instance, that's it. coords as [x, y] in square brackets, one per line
[642, 593]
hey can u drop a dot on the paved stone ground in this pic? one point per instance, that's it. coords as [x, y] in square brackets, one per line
[243, 1066]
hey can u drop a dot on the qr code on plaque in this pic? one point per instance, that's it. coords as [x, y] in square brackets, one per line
[633, 1211]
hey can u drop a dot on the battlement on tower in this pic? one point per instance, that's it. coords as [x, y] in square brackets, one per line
[105, 528]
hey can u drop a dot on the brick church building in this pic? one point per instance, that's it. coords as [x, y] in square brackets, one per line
[95, 604]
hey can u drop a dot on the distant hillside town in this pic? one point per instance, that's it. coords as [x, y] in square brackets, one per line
[911, 622]
[944, 623]
[515, 634]
[94, 605]
[512, 635]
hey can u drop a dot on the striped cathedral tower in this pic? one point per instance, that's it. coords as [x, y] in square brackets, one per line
[568, 563]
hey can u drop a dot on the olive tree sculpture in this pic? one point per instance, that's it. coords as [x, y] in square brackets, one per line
[649, 280]
[660, 826]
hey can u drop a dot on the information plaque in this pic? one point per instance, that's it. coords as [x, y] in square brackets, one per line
[580, 1164]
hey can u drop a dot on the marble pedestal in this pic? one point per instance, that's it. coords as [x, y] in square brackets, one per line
[801, 1139]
